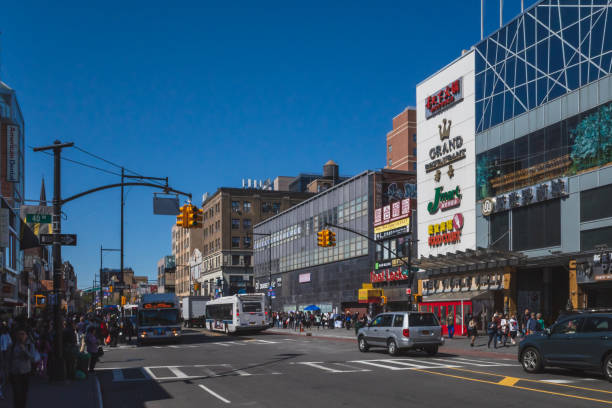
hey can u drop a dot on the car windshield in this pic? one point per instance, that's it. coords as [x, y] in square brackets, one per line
[158, 317]
[422, 319]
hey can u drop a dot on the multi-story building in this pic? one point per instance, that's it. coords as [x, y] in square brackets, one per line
[300, 273]
[402, 142]
[522, 220]
[184, 242]
[166, 272]
[223, 262]
[12, 188]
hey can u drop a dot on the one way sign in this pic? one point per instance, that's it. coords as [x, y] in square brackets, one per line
[63, 239]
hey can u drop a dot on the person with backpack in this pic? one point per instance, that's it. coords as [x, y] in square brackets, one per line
[450, 325]
[22, 354]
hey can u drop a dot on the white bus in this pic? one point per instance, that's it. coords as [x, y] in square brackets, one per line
[237, 313]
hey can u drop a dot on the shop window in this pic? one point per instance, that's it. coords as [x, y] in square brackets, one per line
[589, 239]
[500, 234]
[536, 226]
[595, 203]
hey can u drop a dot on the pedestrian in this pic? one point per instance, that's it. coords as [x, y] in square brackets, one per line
[93, 348]
[505, 329]
[22, 354]
[532, 324]
[541, 323]
[69, 345]
[450, 325]
[492, 332]
[524, 320]
[513, 324]
[472, 330]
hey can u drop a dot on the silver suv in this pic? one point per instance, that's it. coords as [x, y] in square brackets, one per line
[401, 331]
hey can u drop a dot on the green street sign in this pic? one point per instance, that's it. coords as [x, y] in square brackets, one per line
[38, 218]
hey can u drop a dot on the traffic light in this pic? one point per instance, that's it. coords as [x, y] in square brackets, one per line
[123, 300]
[194, 216]
[321, 238]
[331, 238]
[181, 219]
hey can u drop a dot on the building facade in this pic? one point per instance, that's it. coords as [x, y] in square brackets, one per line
[222, 264]
[184, 242]
[402, 142]
[532, 169]
[166, 274]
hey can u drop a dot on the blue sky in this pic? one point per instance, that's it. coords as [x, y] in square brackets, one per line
[207, 95]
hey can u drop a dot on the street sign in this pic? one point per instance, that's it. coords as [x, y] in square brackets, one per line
[63, 239]
[38, 218]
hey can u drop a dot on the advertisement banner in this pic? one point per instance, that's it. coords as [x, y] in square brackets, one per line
[12, 153]
[393, 197]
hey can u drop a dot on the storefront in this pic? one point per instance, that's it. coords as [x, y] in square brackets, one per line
[471, 283]
[593, 274]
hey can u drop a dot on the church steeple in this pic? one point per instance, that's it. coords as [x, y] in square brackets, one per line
[43, 194]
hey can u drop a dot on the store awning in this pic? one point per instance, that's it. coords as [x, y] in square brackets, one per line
[456, 296]
[470, 260]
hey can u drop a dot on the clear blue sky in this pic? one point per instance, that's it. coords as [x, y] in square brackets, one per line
[208, 94]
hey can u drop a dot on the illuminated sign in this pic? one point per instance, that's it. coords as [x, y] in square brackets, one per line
[393, 228]
[160, 305]
[392, 212]
[444, 200]
[446, 232]
[389, 275]
[444, 98]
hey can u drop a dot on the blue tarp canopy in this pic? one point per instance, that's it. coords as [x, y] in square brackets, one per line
[312, 308]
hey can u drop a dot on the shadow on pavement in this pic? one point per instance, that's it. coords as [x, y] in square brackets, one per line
[130, 394]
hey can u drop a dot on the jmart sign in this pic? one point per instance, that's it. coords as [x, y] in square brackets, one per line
[445, 200]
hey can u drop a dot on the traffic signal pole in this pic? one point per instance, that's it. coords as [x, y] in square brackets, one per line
[58, 372]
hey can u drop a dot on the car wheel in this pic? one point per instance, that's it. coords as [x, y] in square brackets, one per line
[431, 350]
[363, 344]
[607, 367]
[531, 360]
[392, 347]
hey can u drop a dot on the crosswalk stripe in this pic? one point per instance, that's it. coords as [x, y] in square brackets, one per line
[376, 363]
[319, 365]
[482, 363]
[266, 341]
[178, 373]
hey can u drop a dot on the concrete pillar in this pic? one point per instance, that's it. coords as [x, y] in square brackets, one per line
[546, 292]
[510, 290]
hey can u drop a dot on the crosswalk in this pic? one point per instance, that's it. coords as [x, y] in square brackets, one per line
[202, 371]
[221, 344]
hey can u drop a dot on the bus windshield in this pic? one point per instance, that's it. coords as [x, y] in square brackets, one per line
[157, 317]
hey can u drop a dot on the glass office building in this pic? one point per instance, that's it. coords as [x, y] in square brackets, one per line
[303, 273]
[544, 150]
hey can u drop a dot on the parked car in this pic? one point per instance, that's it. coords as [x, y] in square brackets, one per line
[402, 331]
[577, 341]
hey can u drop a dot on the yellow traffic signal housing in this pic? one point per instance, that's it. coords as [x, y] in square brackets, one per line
[181, 219]
[123, 300]
[41, 300]
[331, 239]
[197, 217]
[110, 289]
[321, 238]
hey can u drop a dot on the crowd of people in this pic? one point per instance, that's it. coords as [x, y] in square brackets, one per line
[319, 320]
[504, 328]
[26, 348]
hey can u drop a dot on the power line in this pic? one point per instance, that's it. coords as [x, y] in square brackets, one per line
[83, 164]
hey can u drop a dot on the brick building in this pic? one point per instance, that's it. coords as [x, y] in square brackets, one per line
[401, 142]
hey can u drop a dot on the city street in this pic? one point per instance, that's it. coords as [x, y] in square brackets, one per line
[270, 370]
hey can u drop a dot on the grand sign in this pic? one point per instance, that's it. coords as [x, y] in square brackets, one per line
[444, 200]
[450, 151]
[447, 232]
[444, 98]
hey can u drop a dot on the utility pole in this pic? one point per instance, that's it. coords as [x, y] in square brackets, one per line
[58, 371]
[121, 256]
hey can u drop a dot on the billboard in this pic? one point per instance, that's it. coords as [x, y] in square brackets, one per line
[394, 196]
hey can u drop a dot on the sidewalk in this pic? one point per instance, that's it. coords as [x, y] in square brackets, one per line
[456, 345]
[42, 393]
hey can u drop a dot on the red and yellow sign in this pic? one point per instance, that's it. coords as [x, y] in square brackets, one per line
[446, 232]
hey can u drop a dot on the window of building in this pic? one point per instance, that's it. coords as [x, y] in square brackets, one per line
[390, 162]
[390, 148]
[589, 239]
[414, 151]
[276, 208]
[414, 166]
[536, 226]
[246, 224]
[217, 207]
[235, 223]
[235, 259]
[266, 207]
[595, 203]
[235, 206]
[500, 234]
[246, 205]
[247, 260]
[414, 137]
[235, 242]
[246, 241]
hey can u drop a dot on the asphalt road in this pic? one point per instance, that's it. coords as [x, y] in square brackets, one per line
[267, 370]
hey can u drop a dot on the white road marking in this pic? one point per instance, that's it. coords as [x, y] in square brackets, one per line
[214, 394]
[317, 364]
[222, 344]
[177, 372]
[482, 363]
[376, 363]
[266, 341]
[558, 381]
[420, 363]
[174, 347]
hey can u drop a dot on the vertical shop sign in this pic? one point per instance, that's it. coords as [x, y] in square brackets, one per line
[12, 153]
[4, 228]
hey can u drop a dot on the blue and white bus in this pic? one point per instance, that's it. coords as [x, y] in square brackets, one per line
[158, 318]
[237, 313]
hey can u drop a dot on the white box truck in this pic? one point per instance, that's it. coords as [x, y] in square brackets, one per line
[194, 311]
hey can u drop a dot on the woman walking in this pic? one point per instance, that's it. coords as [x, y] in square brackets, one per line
[472, 330]
[92, 348]
[20, 360]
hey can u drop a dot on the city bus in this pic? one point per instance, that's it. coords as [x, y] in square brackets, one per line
[158, 318]
[237, 313]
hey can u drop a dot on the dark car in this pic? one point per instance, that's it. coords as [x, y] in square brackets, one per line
[579, 341]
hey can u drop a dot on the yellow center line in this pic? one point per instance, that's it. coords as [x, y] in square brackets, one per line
[509, 381]
[516, 386]
[535, 381]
